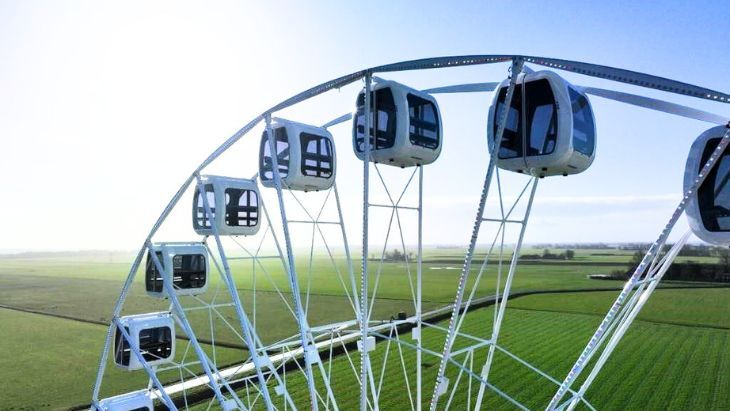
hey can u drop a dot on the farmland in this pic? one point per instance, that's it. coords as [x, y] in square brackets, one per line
[549, 330]
[660, 364]
[58, 355]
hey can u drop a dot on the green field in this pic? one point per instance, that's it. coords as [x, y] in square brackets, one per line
[547, 329]
[705, 307]
[62, 357]
[657, 366]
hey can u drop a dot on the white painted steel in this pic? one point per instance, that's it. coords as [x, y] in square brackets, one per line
[450, 336]
[364, 278]
[249, 336]
[292, 275]
[658, 105]
[649, 257]
[130, 401]
[208, 366]
[502, 303]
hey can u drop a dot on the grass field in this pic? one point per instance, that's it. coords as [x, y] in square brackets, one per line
[703, 307]
[54, 361]
[64, 353]
[658, 366]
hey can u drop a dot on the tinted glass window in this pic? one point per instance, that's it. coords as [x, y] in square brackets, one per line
[153, 278]
[200, 217]
[382, 118]
[155, 343]
[714, 194]
[121, 348]
[511, 146]
[584, 137]
[188, 271]
[541, 117]
[424, 122]
[317, 158]
[282, 154]
[242, 207]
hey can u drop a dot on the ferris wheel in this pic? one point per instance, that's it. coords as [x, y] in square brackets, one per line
[262, 345]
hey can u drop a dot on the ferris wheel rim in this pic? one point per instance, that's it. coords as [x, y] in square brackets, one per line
[598, 71]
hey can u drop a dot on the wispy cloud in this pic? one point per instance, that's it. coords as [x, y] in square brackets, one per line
[607, 200]
[564, 200]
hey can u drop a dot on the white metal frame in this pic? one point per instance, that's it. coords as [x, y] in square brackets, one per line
[260, 373]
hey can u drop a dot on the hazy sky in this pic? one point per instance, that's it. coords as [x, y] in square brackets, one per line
[106, 107]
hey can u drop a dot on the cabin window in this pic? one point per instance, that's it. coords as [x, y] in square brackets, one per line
[155, 343]
[542, 116]
[200, 217]
[714, 194]
[153, 278]
[584, 138]
[282, 154]
[384, 120]
[424, 122]
[511, 146]
[242, 207]
[316, 155]
[122, 351]
[188, 271]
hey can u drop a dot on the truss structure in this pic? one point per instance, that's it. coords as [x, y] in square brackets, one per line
[295, 371]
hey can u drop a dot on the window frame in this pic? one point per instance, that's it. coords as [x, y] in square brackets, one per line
[322, 142]
[233, 212]
[187, 279]
[527, 131]
[706, 192]
[419, 139]
[516, 107]
[385, 138]
[123, 354]
[589, 122]
[167, 344]
[283, 157]
[200, 217]
[122, 349]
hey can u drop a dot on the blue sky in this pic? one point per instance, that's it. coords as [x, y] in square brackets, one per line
[105, 107]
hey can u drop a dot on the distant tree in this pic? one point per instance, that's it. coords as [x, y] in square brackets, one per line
[395, 255]
[546, 253]
[636, 259]
[569, 254]
[724, 255]
[620, 274]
